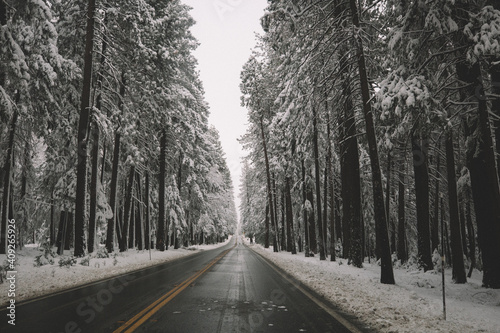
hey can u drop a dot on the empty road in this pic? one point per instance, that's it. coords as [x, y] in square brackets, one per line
[230, 289]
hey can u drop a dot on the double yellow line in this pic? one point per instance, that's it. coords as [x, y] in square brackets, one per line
[150, 310]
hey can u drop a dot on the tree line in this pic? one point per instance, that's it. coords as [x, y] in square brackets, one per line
[374, 132]
[104, 125]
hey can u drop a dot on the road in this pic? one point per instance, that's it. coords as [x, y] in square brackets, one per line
[230, 289]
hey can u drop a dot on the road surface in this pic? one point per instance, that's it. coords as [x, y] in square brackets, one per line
[230, 289]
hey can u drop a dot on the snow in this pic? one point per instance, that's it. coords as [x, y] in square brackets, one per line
[414, 304]
[38, 281]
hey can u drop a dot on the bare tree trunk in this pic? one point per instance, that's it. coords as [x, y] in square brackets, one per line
[387, 274]
[472, 237]
[276, 240]
[435, 219]
[113, 222]
[351, 183]
[131, 225]
[93, 189]
[283, 243]
[52, 221]
[83, 125]
[147, 232]
[305, 211]
[331, 191]
[325, 211]
[402, 253]
[139, 239]
[313, 245]
[458, 273]
[388, 203]
[290, 241]
[483, 173]
[95, 148]
[318, 187]
[266, 221]
[126, 214]
[7, 183]
[268, 176]
[420, 167]
[160, 232]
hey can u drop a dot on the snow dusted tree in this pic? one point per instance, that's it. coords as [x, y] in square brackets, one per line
[30, 69]
[139, 87]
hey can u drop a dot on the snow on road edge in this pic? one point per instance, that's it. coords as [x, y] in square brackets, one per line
[414, 304]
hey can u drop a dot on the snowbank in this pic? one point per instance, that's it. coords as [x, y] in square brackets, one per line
[38, 281]
[414, 304]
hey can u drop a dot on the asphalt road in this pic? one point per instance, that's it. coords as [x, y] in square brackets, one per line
[230, 289]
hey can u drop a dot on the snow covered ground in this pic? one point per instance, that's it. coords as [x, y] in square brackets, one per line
[37, 281]
[414, 304]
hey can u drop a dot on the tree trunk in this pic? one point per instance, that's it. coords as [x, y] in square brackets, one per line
[387, 274]
[93, 188]
[388, 203]
[457, 256]
[304, 209]
[422, 202]
[160, 232]
[276, 240]
[61, 232]
[402, 253]
[480, 158]
[139, 239]
[147, 232]
[331, 191]
[472, 237]
[110, 233]
[83, 125]
[325, 211]
[338, 218]
[318, 187]
[266, 221]
[7, 184]
[69, 231]
[435, 219]
[351, 183]
[283, 243]
[52, 221]
[313, 245]
[127, 212]
[446, 234]
[290, 241]
[95, 148]
[495, 102]
[463, 230]
[268, 177]
[112, 222]
[131, 225]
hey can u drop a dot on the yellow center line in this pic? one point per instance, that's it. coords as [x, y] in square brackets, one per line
[151, 309]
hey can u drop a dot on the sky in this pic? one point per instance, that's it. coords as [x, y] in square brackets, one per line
[226, 32]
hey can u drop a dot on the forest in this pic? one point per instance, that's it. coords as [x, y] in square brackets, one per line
[105, 139]
[374, 133]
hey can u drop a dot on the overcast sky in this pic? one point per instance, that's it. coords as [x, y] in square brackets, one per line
[226, 30]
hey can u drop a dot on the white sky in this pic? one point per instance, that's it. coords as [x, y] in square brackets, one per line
[226, 31]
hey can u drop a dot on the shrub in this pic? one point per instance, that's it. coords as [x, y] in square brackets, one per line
[85, 261]
[42, 260]
[102, 252]
[47, 255]
[67, 261]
